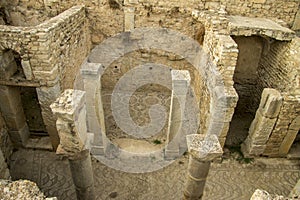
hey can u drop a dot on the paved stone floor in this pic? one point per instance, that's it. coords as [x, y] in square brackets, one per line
[228, 179]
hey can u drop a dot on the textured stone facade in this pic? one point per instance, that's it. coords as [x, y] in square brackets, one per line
[53, 38]
[107, 17]
[282, 63]
[50, 53]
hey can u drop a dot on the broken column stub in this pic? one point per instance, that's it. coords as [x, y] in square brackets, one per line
[180, 84]
[71, 125]
[263, 123]
[202, 151]
[69, 108]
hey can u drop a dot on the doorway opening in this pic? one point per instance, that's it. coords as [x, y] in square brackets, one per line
[246, 83]
[32, 111]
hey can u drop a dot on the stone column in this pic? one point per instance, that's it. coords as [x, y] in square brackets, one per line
[180, 84]
[263, 123]
[202, 151]
[71, 125]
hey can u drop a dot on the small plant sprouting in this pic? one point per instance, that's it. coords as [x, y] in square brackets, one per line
[156, 141]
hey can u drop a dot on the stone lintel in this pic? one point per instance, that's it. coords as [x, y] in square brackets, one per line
[67, 105]
[247, 26]
[204, 148]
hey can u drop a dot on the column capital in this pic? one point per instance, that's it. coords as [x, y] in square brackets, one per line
[71, 122]
[68, 103]
[204, 148]
[91, 70]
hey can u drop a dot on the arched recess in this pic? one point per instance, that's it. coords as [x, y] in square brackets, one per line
[164, 40]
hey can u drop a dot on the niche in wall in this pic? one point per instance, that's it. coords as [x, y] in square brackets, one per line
[245, 82]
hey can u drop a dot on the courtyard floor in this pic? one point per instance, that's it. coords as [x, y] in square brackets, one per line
[227, 179]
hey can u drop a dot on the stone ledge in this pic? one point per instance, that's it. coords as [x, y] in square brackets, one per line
[248, 26]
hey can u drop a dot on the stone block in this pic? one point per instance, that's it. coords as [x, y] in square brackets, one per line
[258, 1]
[171, 154]
[46, 96]
[295, 191]
[261, 195]
[250, 149]
[10, 100]
[261, 128]
[20, 137]
[287, 142]
[8, 65]
[295, 125]
[4, 172]
[270, 103]
[296, 25]
[15, 122]
[91, 70]
[129, 18]
[71, 123]
[97, 150]
[204, 148]
[27, 69]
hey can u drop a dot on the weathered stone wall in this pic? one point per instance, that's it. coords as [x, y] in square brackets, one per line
[106, 17]
[5, 149]
[223, 51]
[51, 54]
[280, 69]
[50, 49]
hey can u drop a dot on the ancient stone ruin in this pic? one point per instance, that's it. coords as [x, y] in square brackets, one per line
[138, 84]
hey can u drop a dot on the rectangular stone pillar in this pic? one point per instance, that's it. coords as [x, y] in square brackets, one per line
[91, 73]
[70, 111]
[180, 84]
[4, 171]
[296, 25]
[290, 137]
[202, 151]
[263, 123]
[46, 96]
[13, 114]
[129, 18]
[295, 193]
[8, 65]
